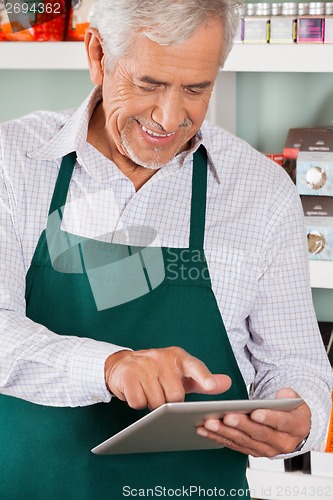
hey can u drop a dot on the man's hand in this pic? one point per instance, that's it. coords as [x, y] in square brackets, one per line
[150, 378]
[263, 433]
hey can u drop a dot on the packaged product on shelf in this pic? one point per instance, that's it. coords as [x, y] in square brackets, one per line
[310, 28]
[288, 164]
[314, 173]
[2, 12]
[318, 212]
[291, 150]
[78, 20]
[328, 34]
[277, 157]
[32, 21]
[303, 136]
[283, 23]
[314, 164]
[240, 30]
[256, 23]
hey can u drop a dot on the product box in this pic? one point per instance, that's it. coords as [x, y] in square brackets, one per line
[282, 29]
[277, 157]
[318, 213]
[78, 20]
[307, 135]
[314, 165]
[240, 32]
[314, 173]
[256, 29]
[310, 29]
[328, 35]
[293, 144]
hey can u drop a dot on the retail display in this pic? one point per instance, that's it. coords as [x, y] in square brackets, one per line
[308, 159]
[311, 27]
[260, 23]
[45, 21]
[283, 23]
[287, 22]
[78, 20]
[2, 12]
[256, 23]
[34, 22]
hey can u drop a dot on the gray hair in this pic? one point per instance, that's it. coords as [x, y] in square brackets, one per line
[165, 22]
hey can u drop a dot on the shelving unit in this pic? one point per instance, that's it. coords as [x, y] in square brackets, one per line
[276, 58]
[291, 485]
[43, 55]
[305, 58]
[321, 274]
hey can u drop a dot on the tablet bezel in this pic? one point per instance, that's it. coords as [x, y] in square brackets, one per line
[171, 427]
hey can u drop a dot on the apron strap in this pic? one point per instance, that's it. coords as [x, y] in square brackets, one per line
[63, 181]
[198, 206]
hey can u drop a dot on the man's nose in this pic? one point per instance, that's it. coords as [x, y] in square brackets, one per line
[169, 111]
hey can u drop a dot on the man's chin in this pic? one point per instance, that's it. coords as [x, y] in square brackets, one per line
[151, 162]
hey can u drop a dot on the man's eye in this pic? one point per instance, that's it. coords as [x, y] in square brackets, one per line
[194, 91]
[148, 89]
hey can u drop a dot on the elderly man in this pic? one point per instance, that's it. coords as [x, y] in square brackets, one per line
[147, 257]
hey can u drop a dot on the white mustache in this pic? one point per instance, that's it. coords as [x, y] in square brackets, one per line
[156, 126]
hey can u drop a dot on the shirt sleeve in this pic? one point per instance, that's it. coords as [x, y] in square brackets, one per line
[36, 364]
[289, 352]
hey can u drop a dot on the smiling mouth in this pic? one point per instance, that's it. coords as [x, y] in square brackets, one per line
[155, 134]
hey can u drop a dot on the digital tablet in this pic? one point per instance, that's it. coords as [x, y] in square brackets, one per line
[171, 427]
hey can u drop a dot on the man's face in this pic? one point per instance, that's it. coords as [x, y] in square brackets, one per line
[156, 98]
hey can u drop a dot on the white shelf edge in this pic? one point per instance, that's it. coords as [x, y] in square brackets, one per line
[306, 58]
[321, 273]
[43, 55]
[252, 57]
[271, 485]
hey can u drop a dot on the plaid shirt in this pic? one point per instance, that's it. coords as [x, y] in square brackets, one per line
[255, 246]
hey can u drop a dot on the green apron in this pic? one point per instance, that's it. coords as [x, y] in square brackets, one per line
[45, 451]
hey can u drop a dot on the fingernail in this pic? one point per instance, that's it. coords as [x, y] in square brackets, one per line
[231, 420]
[212, 426]
[210, 384]
[258, 416]
[202, 432]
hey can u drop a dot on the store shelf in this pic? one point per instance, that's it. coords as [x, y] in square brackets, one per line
[321, 274]
[292, 485]
[307, 58]
[277, 58]
[43, 55]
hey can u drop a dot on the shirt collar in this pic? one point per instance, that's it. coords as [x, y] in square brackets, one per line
[72, 137]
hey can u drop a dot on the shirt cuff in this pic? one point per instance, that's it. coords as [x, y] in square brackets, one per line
[314, 436]
[87, 372]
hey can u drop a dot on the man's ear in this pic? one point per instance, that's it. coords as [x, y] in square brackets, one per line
[95, 54]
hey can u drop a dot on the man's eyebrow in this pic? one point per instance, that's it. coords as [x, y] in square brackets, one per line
[152, 81]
